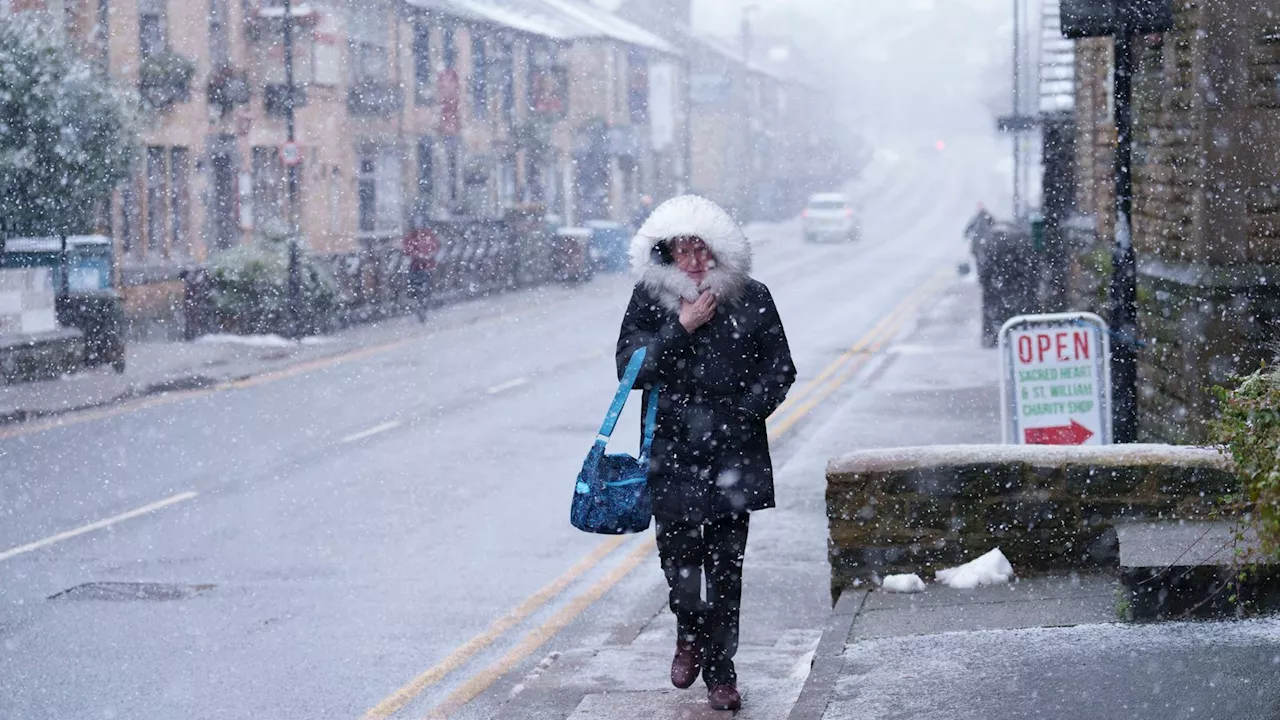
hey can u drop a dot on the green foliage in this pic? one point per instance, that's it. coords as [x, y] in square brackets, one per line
[165, 78]
[1249, 430]
[66, 134]
[251, 285]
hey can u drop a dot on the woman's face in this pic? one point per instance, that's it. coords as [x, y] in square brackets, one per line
[693, 257]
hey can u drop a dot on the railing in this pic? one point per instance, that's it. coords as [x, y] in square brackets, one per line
[476, 258]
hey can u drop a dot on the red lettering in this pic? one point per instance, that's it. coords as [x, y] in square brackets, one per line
[1060, 344]
[1024, 349]
[1043, 343]
[1082, 345]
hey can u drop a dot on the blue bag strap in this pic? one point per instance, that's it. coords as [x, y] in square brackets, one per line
[620, 398]
[650, 425]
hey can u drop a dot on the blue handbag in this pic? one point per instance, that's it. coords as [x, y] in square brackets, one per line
[611, 496]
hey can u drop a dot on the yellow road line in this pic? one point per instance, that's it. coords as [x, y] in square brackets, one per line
[795, 397]
[467, 650]
[785, 417]
[539, 636]
[96, 525]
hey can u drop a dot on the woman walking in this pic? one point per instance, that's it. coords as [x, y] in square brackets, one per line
[718, 358]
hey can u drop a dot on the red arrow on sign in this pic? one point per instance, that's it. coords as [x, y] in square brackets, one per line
[1073, 434]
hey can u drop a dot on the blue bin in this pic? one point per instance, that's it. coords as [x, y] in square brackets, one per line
[610, 243]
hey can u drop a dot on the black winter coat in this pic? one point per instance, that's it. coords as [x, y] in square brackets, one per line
[717, 387]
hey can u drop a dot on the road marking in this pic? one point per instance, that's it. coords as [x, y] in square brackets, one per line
[539, 636]
[872, 345]
[376, 430]
[909, 303]
[467, 650]
[509, 385]
[96, 525]
[124, 408]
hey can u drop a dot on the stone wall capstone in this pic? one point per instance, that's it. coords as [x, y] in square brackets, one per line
[918, 510]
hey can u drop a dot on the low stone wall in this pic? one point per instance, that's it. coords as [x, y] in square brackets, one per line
[916, 510]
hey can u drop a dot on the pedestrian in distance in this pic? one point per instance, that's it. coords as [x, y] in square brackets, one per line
[421, 246]
[718, 356]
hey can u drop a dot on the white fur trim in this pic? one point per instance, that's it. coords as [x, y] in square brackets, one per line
[692, 216]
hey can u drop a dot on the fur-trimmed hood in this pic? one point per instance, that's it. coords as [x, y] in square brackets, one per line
[691, 216]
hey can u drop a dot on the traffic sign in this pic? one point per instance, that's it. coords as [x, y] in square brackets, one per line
[290, 154]
[1055, 380]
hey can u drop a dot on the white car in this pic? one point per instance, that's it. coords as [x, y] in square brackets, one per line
[829, 216]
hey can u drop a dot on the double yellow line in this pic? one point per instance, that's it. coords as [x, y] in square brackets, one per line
[791, 412]
[834, 376]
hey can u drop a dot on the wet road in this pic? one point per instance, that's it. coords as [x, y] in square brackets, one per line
[318, 538]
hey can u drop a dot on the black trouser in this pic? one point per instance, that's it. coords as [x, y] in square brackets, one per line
[716, 547]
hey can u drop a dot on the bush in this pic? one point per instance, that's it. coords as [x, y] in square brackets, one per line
[67, 133]
[165, 79]
[1249, 430]
[251, 291]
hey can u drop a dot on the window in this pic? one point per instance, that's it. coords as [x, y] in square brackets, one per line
[379, 190]
[423, 73]
[370, 59]
[426, 170]
[449, 50]
[151, 28]
[453, 163]
[180, 200]
[638, 88]
[507, 191]
[268, 187]
[219, 41]
[367, 191]
[156, 176]
[129, 218]
[505, 72]
[479, 76]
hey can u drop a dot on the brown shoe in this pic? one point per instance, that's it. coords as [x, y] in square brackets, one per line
[686, 665]
[724, 697]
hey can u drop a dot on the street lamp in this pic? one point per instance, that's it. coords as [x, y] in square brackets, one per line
[294, 282]
[748, 184]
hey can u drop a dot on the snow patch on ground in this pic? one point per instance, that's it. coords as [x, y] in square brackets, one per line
[258, 341]
[913, 458]
[990, 569]
[903, 584]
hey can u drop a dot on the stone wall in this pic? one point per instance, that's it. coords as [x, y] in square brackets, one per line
[917, 510]
[1206, 202]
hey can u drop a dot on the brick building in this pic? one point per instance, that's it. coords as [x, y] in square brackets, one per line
[445, 108]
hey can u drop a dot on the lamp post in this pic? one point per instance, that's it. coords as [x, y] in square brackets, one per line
[746, 161]
[294, 283]
[1124, 277]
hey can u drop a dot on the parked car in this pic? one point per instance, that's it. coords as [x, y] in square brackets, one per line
[829, 216]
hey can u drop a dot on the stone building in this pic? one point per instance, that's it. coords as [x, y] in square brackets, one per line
[1206, 201]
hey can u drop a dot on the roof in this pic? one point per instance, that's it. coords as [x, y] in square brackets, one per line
[565, 20]
[733, 52]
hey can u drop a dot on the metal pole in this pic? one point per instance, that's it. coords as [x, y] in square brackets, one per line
[1017, 108]
[294, 287]
[745, 159]
[1124, 292]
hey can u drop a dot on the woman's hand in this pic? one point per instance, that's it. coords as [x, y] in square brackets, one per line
[694, 315]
